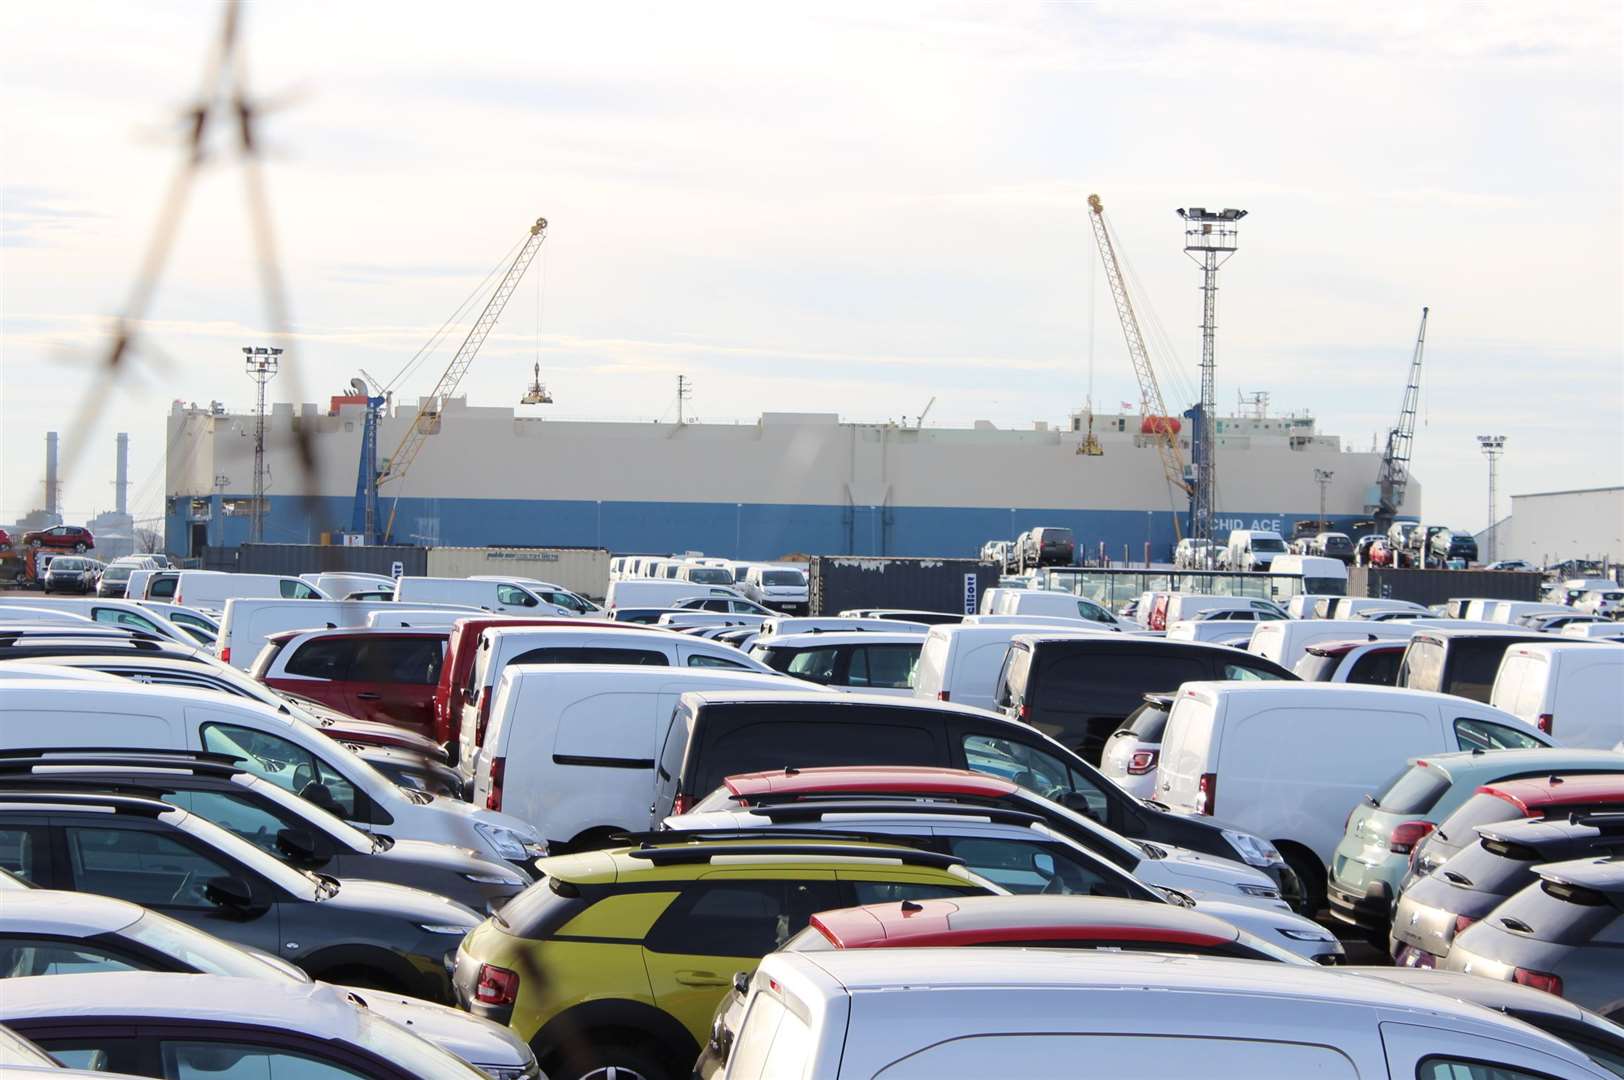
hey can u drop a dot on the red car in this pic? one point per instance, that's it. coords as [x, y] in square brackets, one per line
[68, 537]
[381, 675]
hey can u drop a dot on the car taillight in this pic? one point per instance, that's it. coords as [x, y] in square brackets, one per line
[681, 804]
[1539, 980]
[1206, 793]
[1462, 922]
[1545, 722]
[944, 695]
[496, 986]
[225, 655]
[1403, 838]
[493, 795]
[1022, 712]
[1142, 762]
[484, 715]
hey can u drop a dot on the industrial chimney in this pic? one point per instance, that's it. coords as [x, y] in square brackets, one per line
[50, 475]
[121, 478]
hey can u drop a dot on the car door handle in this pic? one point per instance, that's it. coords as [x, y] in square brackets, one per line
[367, 695]
[701, 978]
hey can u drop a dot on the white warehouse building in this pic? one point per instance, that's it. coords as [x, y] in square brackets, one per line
[1553, 526]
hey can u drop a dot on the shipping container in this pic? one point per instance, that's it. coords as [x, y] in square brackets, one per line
[1430, 587]
[390, 560]
[580, 570]
[839, 582]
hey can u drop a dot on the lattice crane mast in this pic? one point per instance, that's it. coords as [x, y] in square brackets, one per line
[427, 420]
[1151, 405]
[1395, 471]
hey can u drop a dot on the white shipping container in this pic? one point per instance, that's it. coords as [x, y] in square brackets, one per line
[580, 570]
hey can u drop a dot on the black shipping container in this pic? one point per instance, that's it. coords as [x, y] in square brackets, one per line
[322, 558]
[1430, 587]
[840, 582]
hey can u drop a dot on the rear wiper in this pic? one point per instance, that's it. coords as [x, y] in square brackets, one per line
[1371, 799]
[1456, 879]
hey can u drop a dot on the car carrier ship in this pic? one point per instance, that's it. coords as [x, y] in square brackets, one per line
[789, 483]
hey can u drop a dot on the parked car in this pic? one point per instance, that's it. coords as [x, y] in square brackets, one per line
[62, 537]
[1332, 545]
[1447, 545]
[1578, 682]
[182, 1025]
[1558, 935]
[150, 853]
[571, 747]
[1509, 800]
[910, 1014]
[1608, 603]
[961, 663]
[1191, 554]
[1047, 545]
[1079, 689]
[507, 596]
[1462, 662]
[1285, 760]
[1500, 861]
[124, 614]
[860, 661]
[905, 615]
[385, 676]
[1051, 604]
[1371, 860]
[1512, 564]
[716, 735]
[1364, 546]
[1134, 749]
[671, 923]
[116, 576]
[269, 744]
[1285, 641]
[726, 605]
[1370, 663]
[1251, 549]
[45, 932]
[294, 830]
[72, 574]
[782, 588]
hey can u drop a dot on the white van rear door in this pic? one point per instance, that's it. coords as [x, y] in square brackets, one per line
[1186, 746]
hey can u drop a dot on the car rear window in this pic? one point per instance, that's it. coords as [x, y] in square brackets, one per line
[1314, 667]
[596, 654]
[1379, 667]
[778, 578]
[1415, 790]
[1492, 866]
[323, 659]
[1480, 809]
[1423, 665]
[539, 911]
[1012, 679]
[1089, 678]
[1473, 664]
[1557, 913]
[861, 737]
[1147, 722]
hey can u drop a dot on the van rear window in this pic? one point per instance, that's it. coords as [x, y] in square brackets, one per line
[598, 654]
[1423, 665]
[1473, 664]
[1414, 791]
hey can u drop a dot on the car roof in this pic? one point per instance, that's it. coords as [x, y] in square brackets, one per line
[1323, 693]
[621, 631]
[1577, 827]
[842, 637]
[1489, 993]
[1566, 645]
[139, 696]
[1550, 760]
[822, 696]
[1547, 791]
[991, 920]
[312, 1008]
[1342, 648]
[914, 779]
[1124, 641]
[1604, 873]
[282, 637]
[65, 914]
[685, 857]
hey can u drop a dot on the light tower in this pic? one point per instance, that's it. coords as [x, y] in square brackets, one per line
[1322, 477]
[1210, 238]
[1493, 446]
[261, 363]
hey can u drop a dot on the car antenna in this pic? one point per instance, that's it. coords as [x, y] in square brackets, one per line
[908, 907]
[790, 770]
[1557, 779]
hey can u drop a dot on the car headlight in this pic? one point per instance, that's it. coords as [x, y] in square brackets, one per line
[1253, 850]
[1266, 892]
[444, 928]
[492, 879]
[1306, 935]
[506, 842]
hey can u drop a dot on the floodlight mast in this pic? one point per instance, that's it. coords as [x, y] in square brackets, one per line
[1210, 238]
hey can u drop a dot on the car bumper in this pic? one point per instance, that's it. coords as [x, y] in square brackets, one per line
[1369, 909]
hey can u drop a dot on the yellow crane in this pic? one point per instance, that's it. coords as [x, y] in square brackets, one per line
[1151, 405]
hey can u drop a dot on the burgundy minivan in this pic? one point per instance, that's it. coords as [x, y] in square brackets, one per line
[387, 675]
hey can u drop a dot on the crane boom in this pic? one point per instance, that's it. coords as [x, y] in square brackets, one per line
[424, 423]
[1395, 470]
[1151, 404]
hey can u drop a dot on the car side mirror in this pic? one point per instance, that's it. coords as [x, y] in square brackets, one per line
[1076, 800]
[741, 983]
[316, 792]
[229, 892]
[300, 845]
[1043, 864]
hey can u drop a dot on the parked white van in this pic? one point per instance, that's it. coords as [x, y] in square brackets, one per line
[643, 593]
[1301, 606]
[271, 744]
[1255, 549]
[778, 586]
[1351, 607]
[1213, 631]
[1317, 573]
[507, 596]
[209, 591]
[340, 584]
[1285, 641]
[570, 748]
[806, 624]
[1053, 604]
[1572, 691]
[501, 646]
[1509, 611]
[1181, 606]
[927, 1014]
[19, 614]
[1288, 760]
[960, 662]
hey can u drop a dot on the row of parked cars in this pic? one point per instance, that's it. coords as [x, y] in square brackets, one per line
[914, 781]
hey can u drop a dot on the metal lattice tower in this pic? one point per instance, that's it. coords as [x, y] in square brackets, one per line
[262, 364]
[1493, 446]
[1394, 478]
[1210, 238]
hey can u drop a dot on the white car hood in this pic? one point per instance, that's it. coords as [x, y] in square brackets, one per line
[1266, 924]
[473, 1038]
[1207, 877]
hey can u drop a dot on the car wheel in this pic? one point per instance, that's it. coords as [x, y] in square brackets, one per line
[1309, 871]
[36, 542]
[79, 547]
[612, 1061]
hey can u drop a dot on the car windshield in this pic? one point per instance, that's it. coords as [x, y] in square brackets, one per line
[59, 563]
[1415, 790]
[1480, 809]
[782, 577]
[709, 575]
[1268, 543]
[332, 824]
[118, 573]
[205, 952]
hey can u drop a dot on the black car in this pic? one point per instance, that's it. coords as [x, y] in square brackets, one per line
[1047, 546]
[714, 735]
[1447, 544]
[1080, 689]
[72, 574]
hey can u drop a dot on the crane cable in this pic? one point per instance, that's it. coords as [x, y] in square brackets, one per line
[428, 347]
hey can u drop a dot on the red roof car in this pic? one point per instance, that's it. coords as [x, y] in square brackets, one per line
[1508, 800]
[67, 537]
[1071, 922]
[852, 779]
[385, 675]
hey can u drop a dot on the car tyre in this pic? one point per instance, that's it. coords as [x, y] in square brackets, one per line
[612, 1060]
[79, 547]
[1308, 870]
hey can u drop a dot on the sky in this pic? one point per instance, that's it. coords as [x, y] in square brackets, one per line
[852, 208]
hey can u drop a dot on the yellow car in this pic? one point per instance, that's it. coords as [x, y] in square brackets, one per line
[613, 962]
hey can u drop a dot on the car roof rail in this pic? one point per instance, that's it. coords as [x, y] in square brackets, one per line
[758, 800]
[657, 837]
[817, 809]
[133, 804]
[680, 853]
[47, 767]
[115, 755]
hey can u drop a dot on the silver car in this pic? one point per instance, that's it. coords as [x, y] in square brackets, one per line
[44, 932]
[1563, 934]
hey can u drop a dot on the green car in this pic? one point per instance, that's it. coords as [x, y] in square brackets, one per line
[614, 961]
[1369, 866]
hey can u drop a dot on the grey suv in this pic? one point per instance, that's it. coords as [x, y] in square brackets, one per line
[145, 851]
[295, 830]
